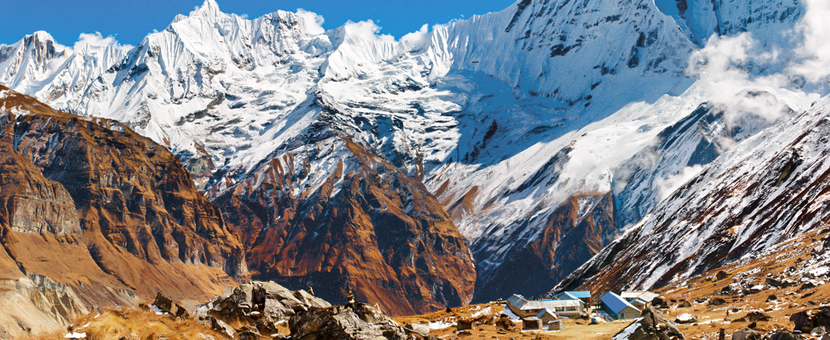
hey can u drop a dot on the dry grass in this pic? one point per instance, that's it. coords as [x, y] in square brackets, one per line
[136, 324]
[789, 300]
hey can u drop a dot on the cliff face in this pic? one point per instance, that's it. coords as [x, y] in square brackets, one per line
[576, 230]
[366, 227]
[102, 213]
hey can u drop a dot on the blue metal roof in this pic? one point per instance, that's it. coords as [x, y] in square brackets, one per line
[615, 303]
[564, 296]
[580, 294]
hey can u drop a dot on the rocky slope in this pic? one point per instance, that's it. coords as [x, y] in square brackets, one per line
[523, 124]
[770, 188]
[368, 227]
[96, 215]
[255, 310]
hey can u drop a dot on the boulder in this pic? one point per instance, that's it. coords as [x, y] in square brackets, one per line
[259, 304]
[802, 320]
[218, 325]
[721, 275]
[310, 300]
[818, 331]
[463, 324]
[806, 320]
[658, 301]
[421, 329]
[755, 289]
[784, 335]
[504, 323]
[685, 318]
[753, 317]
[747, 334]
[248, 332]
[163, 303]
[355, 321]
[166, 305]
[772, 297]
[717, 301]
[652, 325]
[485, 319]
[685, 304]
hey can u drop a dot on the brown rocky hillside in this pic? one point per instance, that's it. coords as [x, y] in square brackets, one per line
[369, 228]
[570, 237]
[93, 214]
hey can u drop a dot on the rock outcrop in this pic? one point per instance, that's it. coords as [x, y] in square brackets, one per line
[257, 307]
[651, 325]
[96, 215]
[806, 320]
[257, 304]
[747, 334]
[353, 321]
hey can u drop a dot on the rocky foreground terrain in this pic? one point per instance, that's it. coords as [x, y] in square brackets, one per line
[257, 310]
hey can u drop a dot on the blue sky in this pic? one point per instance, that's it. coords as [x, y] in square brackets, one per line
[130, 21]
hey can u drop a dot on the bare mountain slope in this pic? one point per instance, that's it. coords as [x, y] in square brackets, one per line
[96, 215]
[770, 188]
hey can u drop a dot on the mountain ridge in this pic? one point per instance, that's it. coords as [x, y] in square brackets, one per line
[504, 118]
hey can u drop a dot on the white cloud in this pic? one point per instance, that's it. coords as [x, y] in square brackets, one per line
[666, 186]
[367, 30]
[87, 41]
[814, 51]
[313, 22]
[415, 37]
[730, 65]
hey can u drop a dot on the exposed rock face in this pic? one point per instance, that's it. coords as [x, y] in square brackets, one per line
[104, 214]
[355, 321]
[367, 227]
[33, 303]
[129, 190]
[574, 232]
[652, 325]
[258, 304]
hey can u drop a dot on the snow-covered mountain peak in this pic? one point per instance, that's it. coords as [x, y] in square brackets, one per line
[39, 36]
[30, 59]
[208, 9]
[503, 117]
